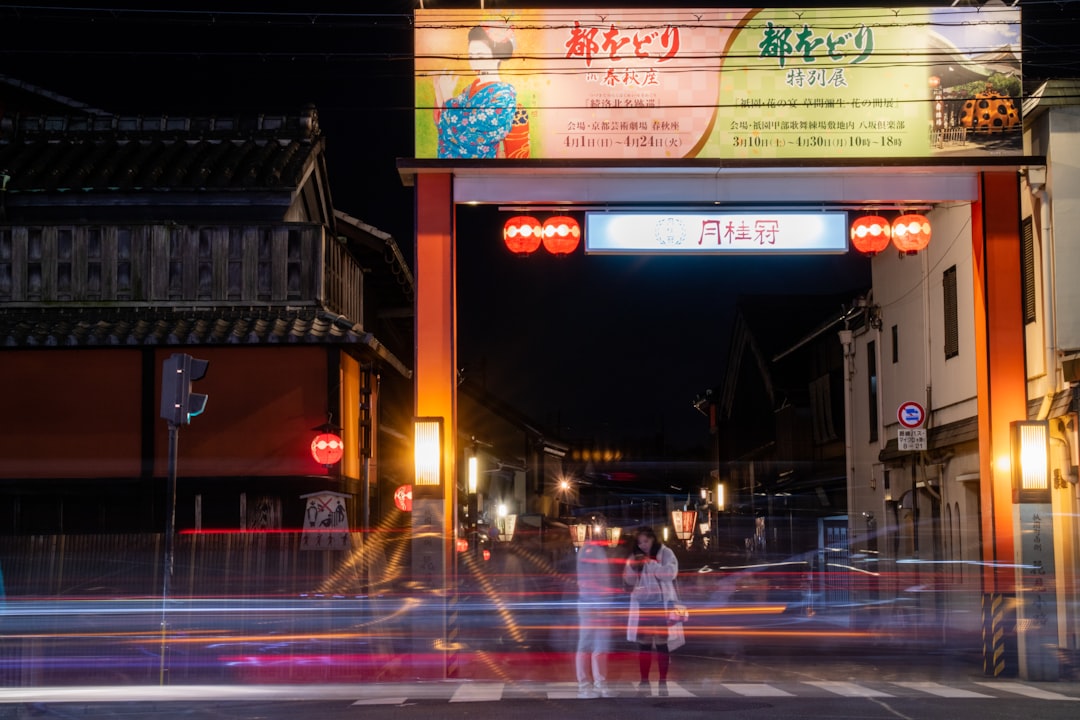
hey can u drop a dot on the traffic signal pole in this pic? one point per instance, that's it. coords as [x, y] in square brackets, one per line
[178, 406]
[170, 546]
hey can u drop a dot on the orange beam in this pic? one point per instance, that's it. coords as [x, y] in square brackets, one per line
[999, 363]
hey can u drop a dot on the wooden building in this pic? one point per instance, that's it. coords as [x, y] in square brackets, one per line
[124, 240]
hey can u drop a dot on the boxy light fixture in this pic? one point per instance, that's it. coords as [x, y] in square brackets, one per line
[1030, 440]
[428, 451]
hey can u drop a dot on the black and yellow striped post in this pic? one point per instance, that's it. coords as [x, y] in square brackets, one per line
[999, 635]
[453, 640]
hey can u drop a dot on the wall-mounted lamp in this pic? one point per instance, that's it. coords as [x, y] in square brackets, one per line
[1030, 445]
[427, 448]
[474, 473]
[720, 499]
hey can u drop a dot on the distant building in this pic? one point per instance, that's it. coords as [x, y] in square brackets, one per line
[778, 423]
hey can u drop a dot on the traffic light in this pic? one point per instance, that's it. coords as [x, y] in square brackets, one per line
[178, 403]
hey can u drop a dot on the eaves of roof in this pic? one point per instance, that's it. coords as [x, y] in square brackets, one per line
[116, 155]
[22, 328]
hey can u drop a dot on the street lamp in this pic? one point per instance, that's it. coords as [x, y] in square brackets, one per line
[1033, 525]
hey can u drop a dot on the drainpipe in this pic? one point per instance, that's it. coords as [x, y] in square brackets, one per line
[1037, 182]
[849, 444]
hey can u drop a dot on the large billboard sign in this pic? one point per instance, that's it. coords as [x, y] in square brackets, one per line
[717, 83]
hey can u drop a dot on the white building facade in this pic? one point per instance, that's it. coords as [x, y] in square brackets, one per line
[917, 514]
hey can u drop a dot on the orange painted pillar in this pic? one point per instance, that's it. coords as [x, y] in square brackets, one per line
[1002, 392]
[436, 322]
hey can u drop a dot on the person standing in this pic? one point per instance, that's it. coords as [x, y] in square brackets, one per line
[595, 590]
[650, 570]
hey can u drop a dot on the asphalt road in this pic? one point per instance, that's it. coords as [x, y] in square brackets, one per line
[425, 701]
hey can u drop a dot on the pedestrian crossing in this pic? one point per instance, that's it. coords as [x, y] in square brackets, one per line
[481, 691]
[467, 692]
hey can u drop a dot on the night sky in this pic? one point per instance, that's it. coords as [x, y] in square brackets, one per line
[604, 347]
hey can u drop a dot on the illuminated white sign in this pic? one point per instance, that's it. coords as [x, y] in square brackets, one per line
[716, 233]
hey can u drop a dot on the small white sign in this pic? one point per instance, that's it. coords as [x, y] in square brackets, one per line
[675, 232]
[910, 439]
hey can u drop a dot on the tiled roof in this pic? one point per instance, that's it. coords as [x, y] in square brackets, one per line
[127, 327]
[116, 154]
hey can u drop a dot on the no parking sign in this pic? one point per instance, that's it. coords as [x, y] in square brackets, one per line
[911, 414]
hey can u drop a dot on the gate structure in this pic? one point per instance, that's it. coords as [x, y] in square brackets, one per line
[667, 110]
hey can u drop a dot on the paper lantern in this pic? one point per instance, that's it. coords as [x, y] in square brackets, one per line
[403, 498]
[911, 233]
[870, 234]
[522, 234]
[327, 448]
[561, 235]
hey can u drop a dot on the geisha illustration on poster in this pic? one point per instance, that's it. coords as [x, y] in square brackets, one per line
[483, 120]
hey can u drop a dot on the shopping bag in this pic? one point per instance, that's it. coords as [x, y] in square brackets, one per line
[677, 613]
[676, 638]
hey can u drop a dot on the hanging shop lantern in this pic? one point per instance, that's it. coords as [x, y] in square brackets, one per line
[561, 235]
[522, 234]
[870, 234]
[911, 233]
[327, 448]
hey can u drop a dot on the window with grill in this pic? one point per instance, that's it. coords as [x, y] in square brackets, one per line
[1027, 269]
[952, 322]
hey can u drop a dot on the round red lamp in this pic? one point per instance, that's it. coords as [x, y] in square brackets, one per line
[870, 234]
[911, 233]
[327, 448]
[403, 498]
[522, 234]
[561, 235]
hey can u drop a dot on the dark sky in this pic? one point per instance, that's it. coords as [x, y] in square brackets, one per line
[602, 346]
[613, 347]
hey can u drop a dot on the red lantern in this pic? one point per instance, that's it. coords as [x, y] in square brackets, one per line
[561, 235]
[870, 234]
[327, 448]
[403, 498]
[522, 234]
[911, 233]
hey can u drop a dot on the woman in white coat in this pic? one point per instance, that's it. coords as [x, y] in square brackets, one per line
[651, 570]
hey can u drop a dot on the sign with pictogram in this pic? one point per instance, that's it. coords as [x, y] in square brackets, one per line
[911, 414]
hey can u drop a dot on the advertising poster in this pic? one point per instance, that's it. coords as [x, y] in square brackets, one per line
[717, 83]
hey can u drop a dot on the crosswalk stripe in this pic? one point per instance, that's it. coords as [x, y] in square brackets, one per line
[941, 690]
[847, 689]
[478, 692]
[677, 690]
[562, 691]
[382, 701]
[1026, 690]
[756, 690]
